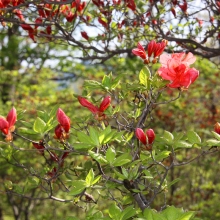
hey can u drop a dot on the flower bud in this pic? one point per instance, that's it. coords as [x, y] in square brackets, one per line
[105, 104]
[217, 128]
[63, 119]
[141, 136]
[150, 135]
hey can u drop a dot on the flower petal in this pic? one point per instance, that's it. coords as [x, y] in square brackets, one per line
[150, 135]
[105, 104]
[141, 136]
[84, 102]
[11, 117]
[63, 119]
[4, 125]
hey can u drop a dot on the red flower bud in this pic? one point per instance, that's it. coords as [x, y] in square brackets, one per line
[85, 35]
[150, 135]
[105, 104]
[217, 128]
[141, 136]
[63, 119]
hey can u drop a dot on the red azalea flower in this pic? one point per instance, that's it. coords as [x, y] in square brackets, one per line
[7, 125]
[175, 68]
[62, 129]
[153, 50]
[140, 51]
[97, 111]
[145, 138]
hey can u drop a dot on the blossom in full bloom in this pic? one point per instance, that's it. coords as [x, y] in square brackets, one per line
[7, 124]
[175, 68]
[97, 111]
[145, 138]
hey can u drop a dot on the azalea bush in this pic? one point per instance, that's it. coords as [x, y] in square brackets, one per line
[109, 149]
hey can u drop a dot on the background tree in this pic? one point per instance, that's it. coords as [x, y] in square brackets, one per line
[120, 27]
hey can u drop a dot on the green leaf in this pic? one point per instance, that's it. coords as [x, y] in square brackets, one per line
[121, 160]
[173, 182]
[193, 137]
[94, 136]
[128, 213]
[150, 214]
[83, 146]
[114, 212]
[110, 155]
[92, 85]
[96, 180]
[172, 213]
[162, 155]
[39, 125]
[90, 178]
[77, 187]
[26, 131]
[144, 76]
[84, 138]
[182, 144]
[168, 137]
[98, 157]
[213, 143]
[125, 173]
[216, 135]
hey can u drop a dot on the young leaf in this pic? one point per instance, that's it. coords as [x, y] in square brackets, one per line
[98, 157]
[193, 137]
[39, 125]
[77, 187]
[110, 155]
[94, 136]
[216, 135]
[172, 213]
[182, 144]
[114, 212]
[121, 160]
[90, 178]
[84, 138]
[144, 76]
[128, 213]
[168, 137]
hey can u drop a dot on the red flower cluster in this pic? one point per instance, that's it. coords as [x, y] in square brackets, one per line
[146, 139]
[62, 129]
[153, 49]
[175, 68]
[7, 125]
[97, 111]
